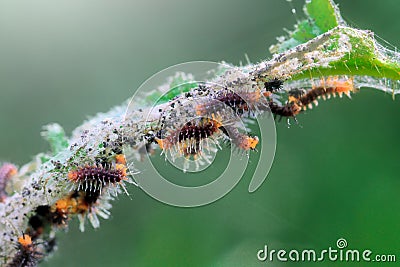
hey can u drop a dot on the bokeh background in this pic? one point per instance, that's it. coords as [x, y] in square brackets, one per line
[336, 176]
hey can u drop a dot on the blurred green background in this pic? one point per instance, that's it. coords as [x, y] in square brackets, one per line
[336, 176]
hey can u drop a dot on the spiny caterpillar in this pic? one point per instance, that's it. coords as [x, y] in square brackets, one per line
[94, 178]
[217, 113]
[85, 200]
[301, 99]
[241, 102]
[27, 255]
[324, 89]
[189, 139]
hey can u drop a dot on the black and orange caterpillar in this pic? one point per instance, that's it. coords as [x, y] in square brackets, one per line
[301, 99]
[28, 254]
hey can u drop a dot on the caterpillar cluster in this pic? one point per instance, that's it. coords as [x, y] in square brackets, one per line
[86, 200]
[216, 110]
[190, 122]
[215, 114]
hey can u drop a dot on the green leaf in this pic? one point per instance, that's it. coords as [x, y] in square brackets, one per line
[340, 51]
[55, 135]
[365, 58]
[323, 16]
